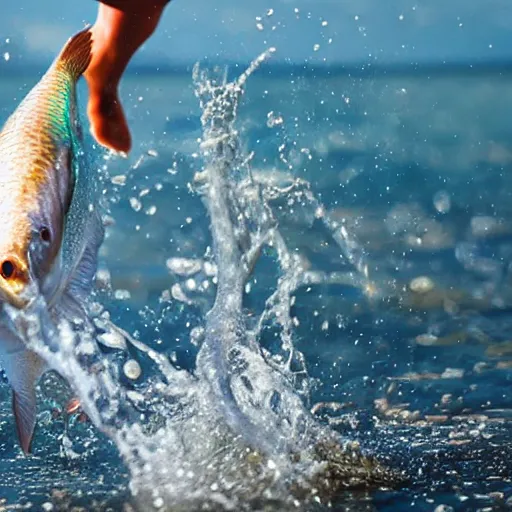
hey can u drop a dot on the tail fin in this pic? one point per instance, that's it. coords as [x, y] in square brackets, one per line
[76, 54]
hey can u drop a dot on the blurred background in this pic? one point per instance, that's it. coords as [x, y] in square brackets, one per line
[395, 31]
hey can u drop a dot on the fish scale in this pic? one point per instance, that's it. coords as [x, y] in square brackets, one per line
[53, 122]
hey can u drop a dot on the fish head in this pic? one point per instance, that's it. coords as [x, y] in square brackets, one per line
[31, 230]
[16, 285]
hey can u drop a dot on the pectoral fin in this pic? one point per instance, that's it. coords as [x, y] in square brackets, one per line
[69, 302]
[23, 371]
[25, 408]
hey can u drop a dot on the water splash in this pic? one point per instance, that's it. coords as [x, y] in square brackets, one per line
[236, 433]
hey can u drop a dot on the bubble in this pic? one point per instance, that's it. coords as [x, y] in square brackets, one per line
[178, 294]
[132, 369]
[120, 179]
[7, 56]
[259, 26]
[135, 204]
[122, 294]
[113, 340]
[442, 201]
[210, 269]
[191, 284]
[103, 278]
[197, 336]
[422, 284]
[316, 47]
[274, 119]
[183, 266]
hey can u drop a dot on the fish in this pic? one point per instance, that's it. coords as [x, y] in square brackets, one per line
[51, 225]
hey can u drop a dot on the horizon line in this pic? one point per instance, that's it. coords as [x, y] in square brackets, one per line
[355, 69]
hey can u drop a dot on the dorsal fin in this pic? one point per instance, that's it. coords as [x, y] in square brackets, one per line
[76, 54]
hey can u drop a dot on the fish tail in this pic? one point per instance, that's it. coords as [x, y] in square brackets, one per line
[76, 54]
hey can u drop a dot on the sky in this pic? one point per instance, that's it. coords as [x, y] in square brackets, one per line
[319, 31]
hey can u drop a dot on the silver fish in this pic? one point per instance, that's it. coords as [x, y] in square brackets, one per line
[51, 226]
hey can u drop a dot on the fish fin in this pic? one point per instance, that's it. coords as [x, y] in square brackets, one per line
[76, 54]
[24, 371]
[24, 408]
[81, 281]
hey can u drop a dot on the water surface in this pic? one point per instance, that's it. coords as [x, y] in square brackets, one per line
[415, 166]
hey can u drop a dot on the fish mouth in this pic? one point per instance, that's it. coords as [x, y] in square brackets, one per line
[17, 298]
[17, 288]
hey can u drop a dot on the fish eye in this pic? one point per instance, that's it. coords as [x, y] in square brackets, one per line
[7, 269]
[44, 233]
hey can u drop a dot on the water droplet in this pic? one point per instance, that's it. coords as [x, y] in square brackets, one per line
[120, 179]
[274, 119]
[158, 502]
[122, 294]
[178, 294]
[132, 369]
[442, 201]
[421, 284]
[183, 266]
[191, 284]
[135, 204]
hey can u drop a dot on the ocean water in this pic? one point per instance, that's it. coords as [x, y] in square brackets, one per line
[391, 191]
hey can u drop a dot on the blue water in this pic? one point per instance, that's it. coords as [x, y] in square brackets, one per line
[417, 164]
